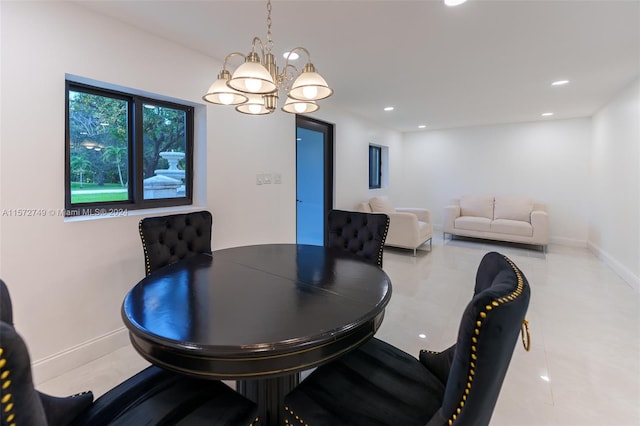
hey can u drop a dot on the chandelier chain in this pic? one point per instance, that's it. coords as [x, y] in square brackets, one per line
[269, 40]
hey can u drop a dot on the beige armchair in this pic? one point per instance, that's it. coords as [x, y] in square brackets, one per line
[408, 227]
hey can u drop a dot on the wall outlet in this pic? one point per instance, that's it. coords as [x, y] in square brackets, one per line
[266, 178]
[259, 179]
[277, 178]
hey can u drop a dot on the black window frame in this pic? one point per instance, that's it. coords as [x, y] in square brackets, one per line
[375, 167]
[135, 145]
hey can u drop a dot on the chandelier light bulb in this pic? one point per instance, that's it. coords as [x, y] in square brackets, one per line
[295, 106]
[226, 98]
[255, 108]
[310, 86]
[220, 93]
[253, 85]
[310, 92]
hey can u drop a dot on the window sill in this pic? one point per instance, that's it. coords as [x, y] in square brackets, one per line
[119, 213]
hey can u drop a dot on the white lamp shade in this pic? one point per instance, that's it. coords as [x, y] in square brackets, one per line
[220, 93]
[295, 106]
[254, 106]
[252, 77]
[310, 86]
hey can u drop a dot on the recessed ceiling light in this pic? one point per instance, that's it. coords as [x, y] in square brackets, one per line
[547, 114]
[422, 126]
[388, 108]
[291, 55]
[454, 2]
[560, 83]
[422, 336]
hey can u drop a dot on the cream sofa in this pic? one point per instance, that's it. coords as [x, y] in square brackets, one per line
[408, 227]
[513, 219]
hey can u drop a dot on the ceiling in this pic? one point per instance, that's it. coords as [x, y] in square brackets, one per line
[484, 62]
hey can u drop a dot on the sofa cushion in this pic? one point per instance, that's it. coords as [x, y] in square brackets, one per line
[476, 205]
[514, 208]
[381, 205]
[473, 223]
[512, 227]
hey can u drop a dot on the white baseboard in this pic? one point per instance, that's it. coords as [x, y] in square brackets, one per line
[568, 242]
[59, 363]
[627, 275]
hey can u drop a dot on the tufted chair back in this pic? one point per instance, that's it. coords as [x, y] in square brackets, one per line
[168, 239]
[360, 233]
[488, 332]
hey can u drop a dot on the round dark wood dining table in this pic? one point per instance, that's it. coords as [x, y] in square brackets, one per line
[256, 314]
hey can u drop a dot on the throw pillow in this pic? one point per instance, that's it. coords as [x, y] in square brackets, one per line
[513, 208]
[381, 205]
[477, 205]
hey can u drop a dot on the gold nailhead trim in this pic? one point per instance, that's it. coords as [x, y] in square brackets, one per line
[384, 238]
[147, 261]
[7, 404]
[290, 411]
[483, 315]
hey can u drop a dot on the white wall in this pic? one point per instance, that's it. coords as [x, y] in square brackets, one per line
[547, 161]
[615, 184]
[351, 157]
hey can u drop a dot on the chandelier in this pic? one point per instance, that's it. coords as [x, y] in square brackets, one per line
[255, 85]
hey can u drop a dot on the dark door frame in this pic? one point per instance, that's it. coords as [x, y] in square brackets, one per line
[328, 130]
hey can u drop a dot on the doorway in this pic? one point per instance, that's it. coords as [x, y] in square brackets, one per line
[314, 179]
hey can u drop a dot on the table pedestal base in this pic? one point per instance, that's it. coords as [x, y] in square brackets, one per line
[268, 393]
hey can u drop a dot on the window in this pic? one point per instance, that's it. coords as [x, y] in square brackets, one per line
[125, 151]
[375, 167]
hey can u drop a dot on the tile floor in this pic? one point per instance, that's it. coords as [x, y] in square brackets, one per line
[584, 364]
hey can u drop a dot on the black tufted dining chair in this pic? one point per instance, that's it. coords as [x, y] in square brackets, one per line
[380, 385]
[20, 402]
[168, 239]
[151, 397]
[360, 233]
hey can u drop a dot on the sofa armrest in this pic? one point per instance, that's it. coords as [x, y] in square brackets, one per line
[423, 215]
[403, 230]
[540, 225]
[451, 213]
[403, 220]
